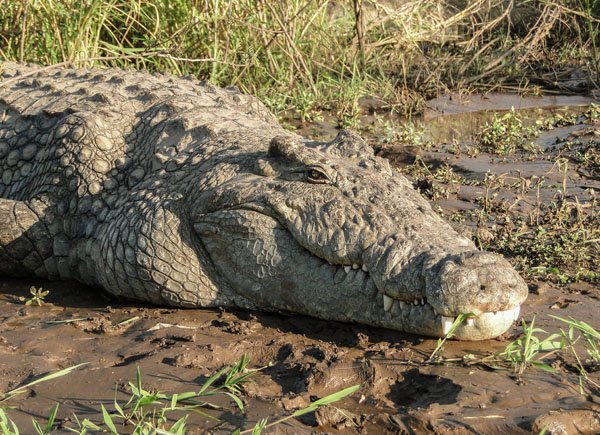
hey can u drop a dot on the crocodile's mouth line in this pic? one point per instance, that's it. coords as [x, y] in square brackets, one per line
[392, 307]
[404, 307]
[397, 307]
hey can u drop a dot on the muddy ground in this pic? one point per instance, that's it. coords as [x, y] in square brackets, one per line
[303, 358]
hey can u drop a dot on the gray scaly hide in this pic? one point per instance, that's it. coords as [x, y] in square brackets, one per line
[179, 193]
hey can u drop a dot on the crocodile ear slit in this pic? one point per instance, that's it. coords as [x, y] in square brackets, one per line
[347, 144]
[206, 229]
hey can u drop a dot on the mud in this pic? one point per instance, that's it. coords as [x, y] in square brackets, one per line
[303, 358]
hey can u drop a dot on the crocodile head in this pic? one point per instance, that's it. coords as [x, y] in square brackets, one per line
[329, 230]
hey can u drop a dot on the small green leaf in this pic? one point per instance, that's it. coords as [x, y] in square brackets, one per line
[327, 400]
[51, 419]
[119, 409]
[108, 421]
[212, 379]
[259, 426]
[543, 366]
[54, 375]
[179, 426]
[237, 400]
[37, 426]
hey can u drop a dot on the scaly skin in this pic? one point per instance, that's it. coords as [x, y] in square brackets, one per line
[176, 192]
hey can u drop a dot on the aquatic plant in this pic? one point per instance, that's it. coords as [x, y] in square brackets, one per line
[507, 133]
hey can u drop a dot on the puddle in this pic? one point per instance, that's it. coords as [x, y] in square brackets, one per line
[448, 121]
[449, 105]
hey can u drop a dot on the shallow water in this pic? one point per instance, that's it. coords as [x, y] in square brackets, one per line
[462, 119]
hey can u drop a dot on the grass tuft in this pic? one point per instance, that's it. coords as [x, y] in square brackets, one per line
[154, 412]
[307, 56]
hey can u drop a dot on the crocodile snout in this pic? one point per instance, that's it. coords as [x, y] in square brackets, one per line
[474, 282]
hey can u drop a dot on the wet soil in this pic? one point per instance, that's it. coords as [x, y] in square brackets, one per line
[303, 358]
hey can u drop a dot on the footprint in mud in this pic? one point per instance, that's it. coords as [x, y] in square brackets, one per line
[418, 390]
[300, 368]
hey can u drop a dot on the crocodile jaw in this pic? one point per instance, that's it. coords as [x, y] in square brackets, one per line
[483, 326]
[262, 262]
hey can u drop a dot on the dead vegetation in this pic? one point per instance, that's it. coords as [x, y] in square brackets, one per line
[306, 56]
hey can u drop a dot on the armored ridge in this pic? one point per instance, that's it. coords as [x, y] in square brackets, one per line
[175, 192]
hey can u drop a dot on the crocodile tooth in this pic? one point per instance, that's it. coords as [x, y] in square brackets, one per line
[402, 304]
[447, 324]
[355, 266]
[422, 301]
[471, 321]
[347, 269]
[364, 268]
[416, 302]
[516, 313]
[387, 302]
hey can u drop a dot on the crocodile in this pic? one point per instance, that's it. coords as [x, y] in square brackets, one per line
[176, 192]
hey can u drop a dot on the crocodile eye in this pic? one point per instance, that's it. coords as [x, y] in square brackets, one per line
[315, 175]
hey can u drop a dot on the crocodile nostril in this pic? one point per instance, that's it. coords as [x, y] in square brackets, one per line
[482, 287]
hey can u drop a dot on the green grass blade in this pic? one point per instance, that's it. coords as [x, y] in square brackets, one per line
[457, 322]
[259, 426]
[181, 397]
[543, 366]
[331, 398]
[204, 414]
[87, 424]
[138, 380]
[212, 379]
[108, 421]
[119, 409]
[49, 377]
[5, 422]
[37, 426]
[580, 325]
[237, 401]
[51, 419]
[327, 400]
[179, 426]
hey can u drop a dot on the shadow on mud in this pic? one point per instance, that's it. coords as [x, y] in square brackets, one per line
[420, 390]
[75, 295]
